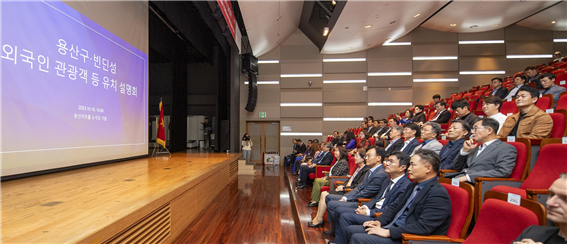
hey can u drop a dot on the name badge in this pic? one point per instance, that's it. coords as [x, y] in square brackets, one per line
[511, 139]
[444, 137]
[509, 99]
[481, 116]
[514, 199]
[455, 182]
[562, 82]
[549, 111]
[564, 140]
[508, 114]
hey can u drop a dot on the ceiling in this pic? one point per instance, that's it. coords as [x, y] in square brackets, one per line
[391, 20]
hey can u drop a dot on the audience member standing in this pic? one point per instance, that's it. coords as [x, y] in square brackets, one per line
[246, 147]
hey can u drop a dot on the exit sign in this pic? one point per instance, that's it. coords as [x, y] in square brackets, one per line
[262, 114]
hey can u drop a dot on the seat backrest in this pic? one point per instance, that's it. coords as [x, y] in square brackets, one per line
[443, 142]
[562, 103]
[500, 222]
[558, 129]
[372, 141]
[431, 115]
[357, 141]
[521, 159]
[545, 102]
[509, 107]
[472, 104]
[550, 163]
[351, 165]
[462, 205]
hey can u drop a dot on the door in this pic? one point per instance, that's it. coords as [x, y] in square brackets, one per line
[265, 136]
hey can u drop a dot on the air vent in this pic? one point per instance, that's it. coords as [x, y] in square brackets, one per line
[154, 228]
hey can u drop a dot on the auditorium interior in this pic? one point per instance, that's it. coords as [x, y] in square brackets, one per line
[211, 121]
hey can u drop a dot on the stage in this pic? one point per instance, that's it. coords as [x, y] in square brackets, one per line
[148, 200]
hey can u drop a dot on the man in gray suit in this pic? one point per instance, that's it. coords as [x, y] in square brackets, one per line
[548, 83]
[493, 158]
[429, 133]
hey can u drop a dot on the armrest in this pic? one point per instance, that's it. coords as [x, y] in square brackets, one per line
[339, 182]
[537, 191]
[443, 171]
[377, 214]
[361, 200]
[347, 190]
[334, 181]
[412, 237]
[478, 179]
[535, 141]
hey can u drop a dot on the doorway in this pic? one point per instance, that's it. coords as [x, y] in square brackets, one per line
[265, 136]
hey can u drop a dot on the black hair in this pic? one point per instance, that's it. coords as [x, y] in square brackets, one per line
[410, 112]
[493, 100]
[393, 118]
[534, 93]
[403, 157]
[419, 106]
[489, 122]
[442, 103]
[431, 157]
[463, 123]
[550, 76]
[530, 68]
[461, 103]
[523, 77]
[497, 78]
[436, 96]
[350, 136]
[245, 138]
[414, 127]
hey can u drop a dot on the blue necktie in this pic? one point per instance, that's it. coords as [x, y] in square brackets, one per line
[406, 206]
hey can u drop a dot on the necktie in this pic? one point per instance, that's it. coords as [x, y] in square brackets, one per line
[405, 144]
[406, 206]
[480, 148]
[349, 183]
[381, 201]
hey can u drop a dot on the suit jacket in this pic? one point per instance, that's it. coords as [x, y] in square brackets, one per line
[363, 173]
[301, 148]
[373, 130]
[432, 145]
[501, 92]
[370, 186]
[496, 161]
[538, 233]
[535, 124]
[510, 95]
[420, 117]
[391, 197]
[444, 117]
[398, 145]
[382, 131]
[385, 132]
[555, 91]
[536, 79]
[411, 146]
[429, 213]
[324, 159]
[447, 158]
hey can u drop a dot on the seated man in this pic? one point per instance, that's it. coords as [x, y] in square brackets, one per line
[456, 134]
[519, 81]
[396, 143]
[324, 158]
[395, 166]
[336, 138]
[411, 131]
[391, 122]
[498, 90]
[493, 158]
[530, 122]
[287, 160]
[462, 108]
[558, 57]
[442, 115]
[368, 189]
[429, 133]
[423, 209]
[382, 127]
[372, 129]
[548, 83]
[556, 212]
[533, 76]
[418, 115]
[491, 106]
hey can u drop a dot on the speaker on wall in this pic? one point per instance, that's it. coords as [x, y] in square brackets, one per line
[252, 92]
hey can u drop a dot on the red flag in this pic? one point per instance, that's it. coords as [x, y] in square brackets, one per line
[161, 129]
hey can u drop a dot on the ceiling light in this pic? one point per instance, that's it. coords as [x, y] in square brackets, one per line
[344, 119]
[390, 74]
[301, 104]
[301, 75]
[416, 15]
[436, 80]
[560, 40]
[396, 43]
[344, 81]
[529, 56]
[344, 59]
[301, 134]
[481, 72]
[346, 27]
[368, 26]
[376, 16]
[392, 22]
[265, 82]
[495, 25]
[334, 2]
[368, 45]
[390, 104]
[326, 31]
[473, 26]
[425, 58]
[453, 25]
[349, 48]
[482, 42]
[553, 22]
[268, 61]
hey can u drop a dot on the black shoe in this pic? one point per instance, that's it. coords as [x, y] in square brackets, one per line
[310, 224]
[329, 233]
[313, 204]
[301, 187]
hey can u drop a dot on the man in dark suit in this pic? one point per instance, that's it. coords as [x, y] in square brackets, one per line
[556, 212]
[497, 89]
[396, 143]
[442, 115]
[456, 134]
[418, 114]
[533, 76]
[519, 81]
[369, 187]
[395, 166]
[423, 209]
[382, 127]
[462, 109]
[411, 131]
[325, 159]
[493, 158]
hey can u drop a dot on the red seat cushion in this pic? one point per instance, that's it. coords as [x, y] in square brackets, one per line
[558, 125]
[562, 103]
[500, 222]
[325, 188]
[459, 209]
[521, 159]
[550, 163]
[508, 189]
[544, 103]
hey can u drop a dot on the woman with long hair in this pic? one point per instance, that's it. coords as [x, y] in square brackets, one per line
[246, 147]
[339, 169]
[350, 141]
[364, 139]
[407, 119]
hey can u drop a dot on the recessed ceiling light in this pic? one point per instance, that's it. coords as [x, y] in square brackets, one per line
[368, 26]
[334, 2]
[453, 25]
[368, 45]
[346, 27]
[416, 15]
[392, 22]
[326, 31]
[349, 48]
[495, 25]
[553, 22]
[377, 16]
[473, 26]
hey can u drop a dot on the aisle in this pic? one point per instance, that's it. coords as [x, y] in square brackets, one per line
[254, 209]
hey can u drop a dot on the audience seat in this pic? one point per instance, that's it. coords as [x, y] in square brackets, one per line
[562, 103]
[545, 102]
[550, 163]
[559, 120]
[472, 105]
[319, 169]
[509, 107]
[461, 213]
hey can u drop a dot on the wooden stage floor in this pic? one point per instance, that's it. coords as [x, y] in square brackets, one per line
[116, 202]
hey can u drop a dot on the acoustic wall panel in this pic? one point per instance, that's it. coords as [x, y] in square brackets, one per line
[344, 111]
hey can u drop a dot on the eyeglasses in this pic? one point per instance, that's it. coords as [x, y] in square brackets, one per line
[477, 128]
